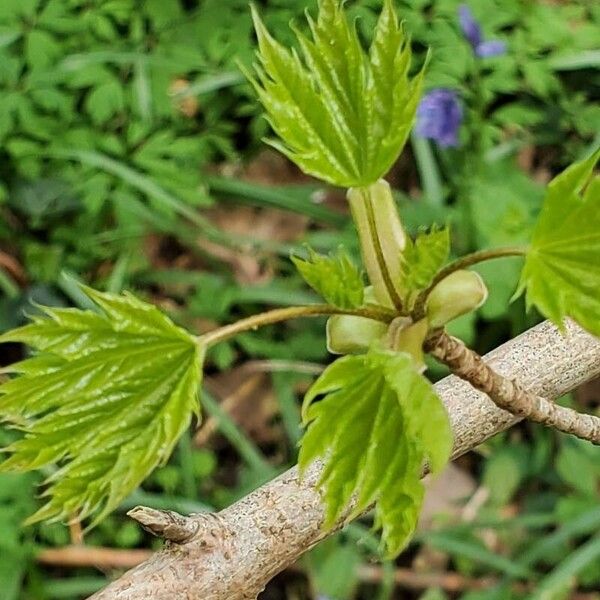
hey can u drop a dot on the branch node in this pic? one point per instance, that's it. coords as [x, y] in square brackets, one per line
[166, 524]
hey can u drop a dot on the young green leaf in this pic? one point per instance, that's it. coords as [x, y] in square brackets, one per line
[377, 423]
[422, 259]
[335, 278]
[562, 268]
[106, 398]
[342, 114]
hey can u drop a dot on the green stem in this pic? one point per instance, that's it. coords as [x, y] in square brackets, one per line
[382, 239]
[472, 156]
[186, 461]
[463, 263]
[245, 446]
[8, 286]
[377, 313]
[389, 284]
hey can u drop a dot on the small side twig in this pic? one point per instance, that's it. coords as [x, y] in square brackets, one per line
[92, 556]
[166, 524]
[116, 558]
[507, 394]
[75, 531]
[210, 426]
[14, 267]
[208, 530]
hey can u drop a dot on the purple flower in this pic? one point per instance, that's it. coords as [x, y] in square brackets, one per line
[439, 116]
[491, 48]
[470, 27]
[472, 31]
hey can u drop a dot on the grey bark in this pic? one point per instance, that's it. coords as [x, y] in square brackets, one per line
[233, 554]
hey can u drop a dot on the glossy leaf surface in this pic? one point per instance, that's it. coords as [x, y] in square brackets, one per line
[376, 422]
[561, 274]
[422, 259]
[341, 114]
[335, 278]
[105, 398]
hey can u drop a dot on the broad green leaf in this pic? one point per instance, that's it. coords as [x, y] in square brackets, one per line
[376, 423]
[422, 259]
[105, 100]
[334, 277]
[562, 267]
[504, 471]
[105, 398]
[342, 114]
[333, 568]
[41, 48]
[578, 465]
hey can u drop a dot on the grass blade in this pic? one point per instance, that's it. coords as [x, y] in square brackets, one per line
[70, 285]
[143, 89]
[293, 198]
[564, 576]
[118, 275]
[246, 448]
[428, 170]
[283, 383]
[8, 286]
[582, 524]
[186, 461]
[477, 553]
[587, 59]
[210, 83]
[78, 587]
[135, 179]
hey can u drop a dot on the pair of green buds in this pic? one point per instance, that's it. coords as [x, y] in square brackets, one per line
[383, 243]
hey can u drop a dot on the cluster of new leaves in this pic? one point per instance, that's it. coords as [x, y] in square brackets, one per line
[562, 268]
[335, 278]
[342, 114]
[422, 259]
[105, 398]
[376, 423]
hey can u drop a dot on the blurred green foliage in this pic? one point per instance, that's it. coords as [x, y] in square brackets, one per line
[101, 125]
[112, 112]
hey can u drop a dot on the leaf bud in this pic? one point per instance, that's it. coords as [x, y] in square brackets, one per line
[459, 293]
[351, 335]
